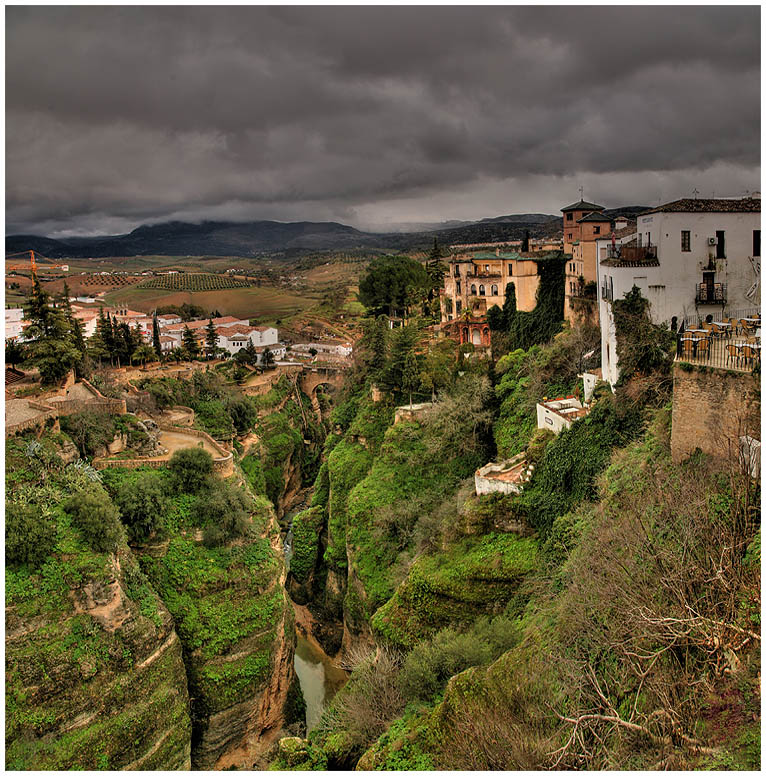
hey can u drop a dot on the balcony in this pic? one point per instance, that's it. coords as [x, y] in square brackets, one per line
[711, 293]
[631, 253]
[606, 292]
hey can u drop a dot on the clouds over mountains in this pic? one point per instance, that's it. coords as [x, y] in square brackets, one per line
[117, 116]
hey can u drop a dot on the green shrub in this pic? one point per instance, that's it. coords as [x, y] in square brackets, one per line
[98, 520]
[243, 412]
[29, 535]
[252, 468]
[191, 469]
[89, 430]
[142, 504]
[225, 514]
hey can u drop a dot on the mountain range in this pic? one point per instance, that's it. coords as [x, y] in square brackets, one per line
[224, 238]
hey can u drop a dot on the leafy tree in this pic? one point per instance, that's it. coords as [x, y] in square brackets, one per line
[15, 352]
[403, 343]
[460, 423]
[268, 358]
[211, 339]
[89, 430]
[251, 353]
[191, 469]
[410, 374]
[97, 349]
[243, 412]
[142, 503]
[438, 366]
[384, 286]
[225, 514]
[144, 353]
[98, 520]
[190, 343]
[29, 536]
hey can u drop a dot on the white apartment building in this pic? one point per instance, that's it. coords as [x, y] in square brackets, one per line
[13, 318]
[335, 349]
[690, 258]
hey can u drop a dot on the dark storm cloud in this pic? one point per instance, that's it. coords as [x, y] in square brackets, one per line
[121, 115]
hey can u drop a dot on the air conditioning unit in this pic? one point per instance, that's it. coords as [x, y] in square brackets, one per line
[711, 241]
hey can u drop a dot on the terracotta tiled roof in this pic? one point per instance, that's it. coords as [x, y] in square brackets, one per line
[745, 205]
[224, 321]
[624, 232]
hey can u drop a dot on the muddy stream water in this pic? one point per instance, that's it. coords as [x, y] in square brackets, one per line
[319, 676]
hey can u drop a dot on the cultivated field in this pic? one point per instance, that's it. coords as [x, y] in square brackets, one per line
[194, 282]
[264, 304]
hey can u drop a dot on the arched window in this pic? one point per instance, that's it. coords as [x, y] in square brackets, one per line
[458, 306]
[473, 288]
[464, 337]
[510, 269]
[481, 291]
[485, 336]
[494, 290]
[476, 337]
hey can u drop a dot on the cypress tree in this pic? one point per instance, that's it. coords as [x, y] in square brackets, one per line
[156, 335]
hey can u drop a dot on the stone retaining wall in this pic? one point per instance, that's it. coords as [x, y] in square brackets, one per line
[712, 410]
[223, 465]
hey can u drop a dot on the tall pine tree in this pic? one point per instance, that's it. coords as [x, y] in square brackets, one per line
[190, 343]
[211, 339]
[52, 349]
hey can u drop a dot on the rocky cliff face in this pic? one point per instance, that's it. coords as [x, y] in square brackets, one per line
[234, 624]
[94, 673]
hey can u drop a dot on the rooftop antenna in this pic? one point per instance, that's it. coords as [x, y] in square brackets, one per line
[695, 192]
[580, 190]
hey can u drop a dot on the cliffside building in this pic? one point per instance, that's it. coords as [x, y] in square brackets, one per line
[691, 258]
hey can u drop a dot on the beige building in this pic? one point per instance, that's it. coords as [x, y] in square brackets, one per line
[476, 282]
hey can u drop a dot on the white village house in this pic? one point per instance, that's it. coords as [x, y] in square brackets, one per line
[689, 258]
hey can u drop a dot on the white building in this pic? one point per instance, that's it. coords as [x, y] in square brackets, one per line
[234, 338]
[13, 318]
[558, 414]
[336, 349]
[690, 258]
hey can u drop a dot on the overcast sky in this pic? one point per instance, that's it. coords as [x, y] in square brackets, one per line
[371, 116]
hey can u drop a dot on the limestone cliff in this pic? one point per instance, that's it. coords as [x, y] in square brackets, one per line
[94, 673]
[236, 630]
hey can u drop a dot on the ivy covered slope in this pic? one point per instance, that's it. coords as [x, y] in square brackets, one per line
[217, 565]
[94, 672]
[639, 646]
[289, 441]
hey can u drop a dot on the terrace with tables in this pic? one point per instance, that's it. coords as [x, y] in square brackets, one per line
[731, 343]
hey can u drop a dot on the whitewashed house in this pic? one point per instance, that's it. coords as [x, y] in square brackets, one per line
[13, 318]
[690, 258]
[558, 414]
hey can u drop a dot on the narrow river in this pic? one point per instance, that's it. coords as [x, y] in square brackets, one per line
[319, 677]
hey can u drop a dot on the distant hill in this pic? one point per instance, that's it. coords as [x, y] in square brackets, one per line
[225, 238]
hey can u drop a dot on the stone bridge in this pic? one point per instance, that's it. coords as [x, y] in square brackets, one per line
[314, 376]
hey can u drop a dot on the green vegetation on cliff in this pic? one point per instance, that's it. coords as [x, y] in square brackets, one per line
[94, 674]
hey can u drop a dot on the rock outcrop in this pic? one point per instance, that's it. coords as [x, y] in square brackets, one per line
[94, 673]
